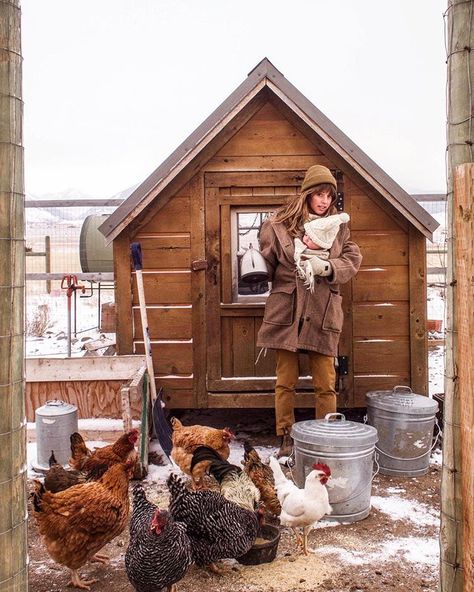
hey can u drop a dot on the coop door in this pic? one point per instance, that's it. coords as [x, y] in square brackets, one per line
[236, 207]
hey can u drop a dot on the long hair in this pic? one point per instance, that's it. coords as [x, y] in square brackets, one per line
[296, 212]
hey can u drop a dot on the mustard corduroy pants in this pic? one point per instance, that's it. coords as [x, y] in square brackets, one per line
[287, 372]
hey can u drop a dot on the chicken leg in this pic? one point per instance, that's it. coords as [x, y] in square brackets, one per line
[76, 581]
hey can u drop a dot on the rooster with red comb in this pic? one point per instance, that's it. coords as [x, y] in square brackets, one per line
[302, 508]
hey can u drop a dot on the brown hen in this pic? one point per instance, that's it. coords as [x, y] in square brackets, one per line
[187, 438]
[76, 523]
[96, 462]
[262, 477]
[58, 478]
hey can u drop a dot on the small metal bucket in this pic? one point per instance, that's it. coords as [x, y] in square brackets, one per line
[405, 423]
[347, 448]
[55, 421]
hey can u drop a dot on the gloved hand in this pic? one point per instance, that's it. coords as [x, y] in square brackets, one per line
[320, 266]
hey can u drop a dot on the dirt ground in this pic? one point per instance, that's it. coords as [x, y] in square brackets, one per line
[349, 557]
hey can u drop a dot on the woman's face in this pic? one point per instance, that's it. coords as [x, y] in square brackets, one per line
[319, 202]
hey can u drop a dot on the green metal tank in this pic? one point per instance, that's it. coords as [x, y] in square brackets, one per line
[95, 255]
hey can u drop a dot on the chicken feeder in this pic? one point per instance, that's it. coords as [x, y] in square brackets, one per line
[55, 421]
[405, 423]
[348, 449]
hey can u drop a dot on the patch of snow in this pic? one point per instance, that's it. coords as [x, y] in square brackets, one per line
[412, 549]
[436, 458]
[403, 509]
[395, 490]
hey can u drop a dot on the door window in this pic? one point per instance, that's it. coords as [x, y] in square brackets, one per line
[245, 232]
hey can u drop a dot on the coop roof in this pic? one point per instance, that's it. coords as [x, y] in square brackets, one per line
[264, 78]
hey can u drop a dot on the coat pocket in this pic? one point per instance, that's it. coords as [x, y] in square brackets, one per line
[333, 315]
[280, 305]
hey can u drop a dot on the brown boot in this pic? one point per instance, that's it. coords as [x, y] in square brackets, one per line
[286, 446]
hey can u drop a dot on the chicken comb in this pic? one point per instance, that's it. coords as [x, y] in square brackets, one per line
[322, 467]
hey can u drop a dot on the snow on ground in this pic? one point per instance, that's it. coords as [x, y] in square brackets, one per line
[412, 549]
[399, 508]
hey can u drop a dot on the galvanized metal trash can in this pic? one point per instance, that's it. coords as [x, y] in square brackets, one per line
[347, 447]
[405, 423]
[55, 421]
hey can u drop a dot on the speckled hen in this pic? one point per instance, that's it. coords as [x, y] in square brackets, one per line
[159, 552]
[218, 528]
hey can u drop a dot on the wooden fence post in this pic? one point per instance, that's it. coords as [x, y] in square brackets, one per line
[464, 257]
[13, 516]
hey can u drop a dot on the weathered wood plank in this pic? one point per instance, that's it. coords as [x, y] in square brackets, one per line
[213, 282]
[243, 347]
[265, 400]
[174, 357]
[257, 179]
[165, 252]
[381, 319]
[123, 293]
[93, 398]
[175, 216]
[464, 272]
[165, 322]
[82, 369]
[381, 284]
[198, 291]
[364, 383]
[226, 258]
[418, 334]
[164, 287]
[382, 356]
[382, 248]
[288, 162]
[367, 214]
[257, 137]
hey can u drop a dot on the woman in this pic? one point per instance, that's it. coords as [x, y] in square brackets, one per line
[298, 319]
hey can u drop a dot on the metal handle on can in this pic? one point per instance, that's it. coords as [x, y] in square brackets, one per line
[402, 387]
[328, 416]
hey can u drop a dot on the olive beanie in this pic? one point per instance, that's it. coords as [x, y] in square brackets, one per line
[317, 175]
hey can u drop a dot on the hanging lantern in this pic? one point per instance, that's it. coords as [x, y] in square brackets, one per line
[253, 268]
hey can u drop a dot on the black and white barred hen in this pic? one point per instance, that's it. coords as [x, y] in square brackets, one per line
[218, 528]
[159, 552]
[235, 485]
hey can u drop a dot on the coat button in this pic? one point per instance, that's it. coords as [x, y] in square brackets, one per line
[308, 318]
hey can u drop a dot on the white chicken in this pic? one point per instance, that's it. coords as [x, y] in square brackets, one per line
[302, 508]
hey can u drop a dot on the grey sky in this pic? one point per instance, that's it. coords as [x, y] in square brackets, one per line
[111, 87]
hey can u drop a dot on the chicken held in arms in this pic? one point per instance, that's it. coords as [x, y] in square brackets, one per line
[96, 462]
[76, 523]
[159, 551]
[218, 528]
[302, 508]
[262, 476]
[187, 438]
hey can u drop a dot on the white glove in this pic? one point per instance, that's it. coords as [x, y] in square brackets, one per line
[320, 266]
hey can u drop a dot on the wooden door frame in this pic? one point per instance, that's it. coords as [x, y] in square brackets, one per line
[218, 252]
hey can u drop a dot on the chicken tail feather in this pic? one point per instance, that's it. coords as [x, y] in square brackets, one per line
[38, 495]
[277, 472]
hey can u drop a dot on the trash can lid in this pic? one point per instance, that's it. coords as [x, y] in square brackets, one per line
[401, 399]
[334, 430]
[55, 407]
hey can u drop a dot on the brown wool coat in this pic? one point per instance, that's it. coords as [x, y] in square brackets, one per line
[290, 301]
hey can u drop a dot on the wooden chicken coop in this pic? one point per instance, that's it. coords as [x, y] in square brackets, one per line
[201, 209]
